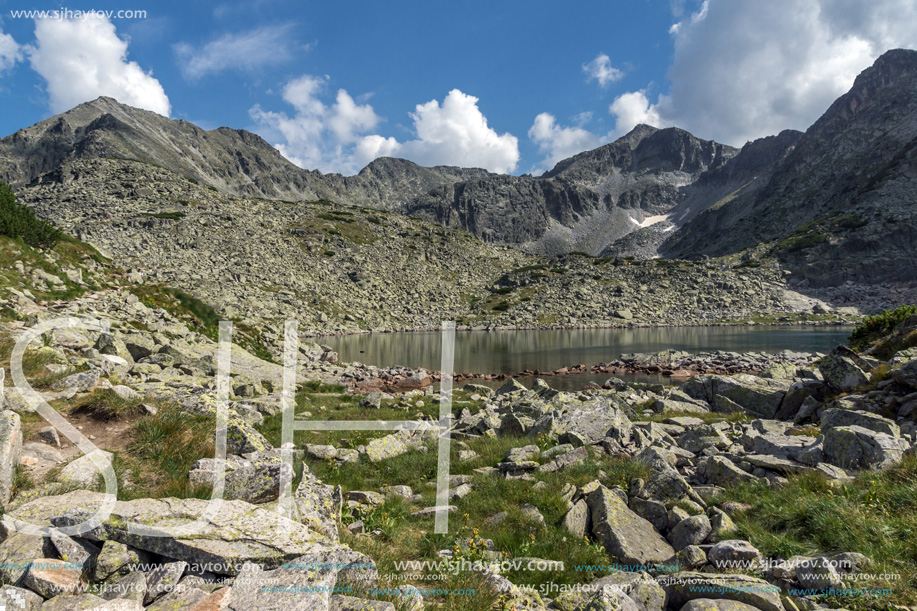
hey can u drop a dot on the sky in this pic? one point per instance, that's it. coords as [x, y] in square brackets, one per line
[506, 85]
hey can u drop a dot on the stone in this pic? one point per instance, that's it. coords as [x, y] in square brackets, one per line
[854, 447]
[386, 447]
[51, 578]
[712, 604]
[49, 435]
[365, 497]
[238, 532]
[906, 374]
[318, 505]
[720, 471]
[733, 553]
[78, 602]
[258, 483]
[351, 603]
[692, 557]
[83, 472]
[625, 535]
[242, 438]
[76, 551]
[833, 417]
[117, 559]
[215, 601]
[843, 370]
[608, 598]
[321, 452]
[132, 586]
[685, 586]
[756, 396]
[19, 599]
[10, 449]
[577, 521]
[720, 523]
[817, 574]
[163, 579]
[691, 531]
[17, 551]
[642, 589]
[652, 511]
[78, 382]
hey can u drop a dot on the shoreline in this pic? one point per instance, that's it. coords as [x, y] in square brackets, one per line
[465, 329]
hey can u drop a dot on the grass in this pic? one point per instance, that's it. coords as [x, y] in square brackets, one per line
[875, 515]
[163, 449]
[34, 364]
[104, 404]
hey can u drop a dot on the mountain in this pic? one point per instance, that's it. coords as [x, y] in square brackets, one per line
[585, 202]
[832, 205]
[237, 162]
[841, 203]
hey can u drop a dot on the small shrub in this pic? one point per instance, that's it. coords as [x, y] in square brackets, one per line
[874, 327]
[18, 222]
[169, 216]
[329, 253]
[502, 306]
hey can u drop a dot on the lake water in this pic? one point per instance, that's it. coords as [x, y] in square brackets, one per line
[511, 352]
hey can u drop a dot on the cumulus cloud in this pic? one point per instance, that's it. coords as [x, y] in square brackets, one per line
[316, 135]
[246, 51]
[556, 142]
[10, 52]
[601, 70]
[83, 59]
[743, 70]
[335, 138]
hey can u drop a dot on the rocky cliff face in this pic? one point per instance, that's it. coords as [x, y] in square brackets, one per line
[839, 204]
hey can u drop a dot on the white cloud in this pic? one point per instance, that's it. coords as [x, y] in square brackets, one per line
[557, 142]
[247, 51]
[10, 52]
[334, 138]
[601, 70]
[631, 109]
[83, 59]
[743, 70]
[318, 136]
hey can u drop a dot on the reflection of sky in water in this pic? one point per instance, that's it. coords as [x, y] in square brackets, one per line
[515, 351]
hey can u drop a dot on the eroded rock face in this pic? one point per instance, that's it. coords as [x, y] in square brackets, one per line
[238, 533]
[854, 447]
[10, 448]
[759, 397]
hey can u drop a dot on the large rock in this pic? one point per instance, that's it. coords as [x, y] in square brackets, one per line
[642, 589]
[853, 447]
[686, 586]
[720, 471]
[906, 374]
[17, 551]
[237, 533]
[83, 472]
[833, 417]
[19, 599]
[690, 531]
[258, 482]
[386, 447]
[10, 448]
[843, 370]
[608, 598]
[303, 584]
[759, 397]
[592, 421]
[711, 604]
[318, 505]
[627, 537]
[118, 559]
[51, 578]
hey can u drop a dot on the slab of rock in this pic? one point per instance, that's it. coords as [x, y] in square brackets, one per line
[642, 589]
[116, 559]
[350, 603]
[239, 531]
[19, 599]
[756, 396]
[686, 586]
[386, 447]
[83, 472]
[132, 586]
[906, 374]
[318, 505]
[10, 448]
[577, 520]
[853, 447]
[843, 370]
[76, 551]
[833, 417]
[18, 551]
[77, 602]
[720, 471]
[259, 482]
[690, 531]
[625, 535]
[78, 382]
[163, 579]
[725, 553]
[50, 577]
[711, 604]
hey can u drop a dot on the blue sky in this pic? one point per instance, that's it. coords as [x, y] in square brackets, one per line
[511, 86]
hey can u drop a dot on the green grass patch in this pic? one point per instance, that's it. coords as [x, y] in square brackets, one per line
[875, 327]
[875, 515]
[20, 223]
